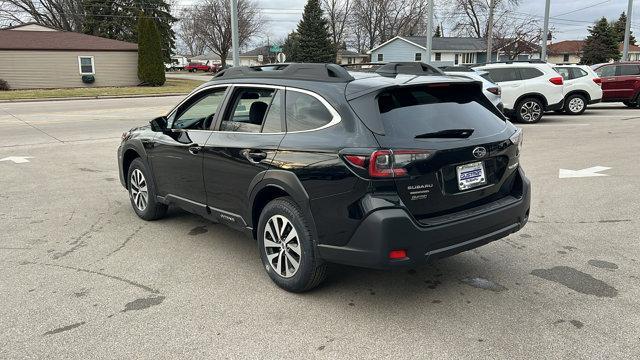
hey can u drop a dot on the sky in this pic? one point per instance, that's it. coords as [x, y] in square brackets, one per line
[569, 18]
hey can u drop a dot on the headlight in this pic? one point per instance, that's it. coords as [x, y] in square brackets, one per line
[516, 139]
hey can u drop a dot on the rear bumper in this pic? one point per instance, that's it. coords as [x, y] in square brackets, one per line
[394, 229]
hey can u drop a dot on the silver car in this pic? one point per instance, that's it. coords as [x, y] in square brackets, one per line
[490, 89]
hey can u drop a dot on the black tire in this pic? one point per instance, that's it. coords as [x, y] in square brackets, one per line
[153, 210]
[529, 111]
[311, 270]
[631, 104]
[575, 104]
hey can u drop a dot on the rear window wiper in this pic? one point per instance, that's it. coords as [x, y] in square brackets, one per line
[447, 134]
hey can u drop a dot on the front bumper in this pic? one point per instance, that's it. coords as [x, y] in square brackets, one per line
[393, 229]
[120, 171]
[595, 101]
[554, 107]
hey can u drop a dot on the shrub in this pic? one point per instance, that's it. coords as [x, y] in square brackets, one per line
[4, 85]
[88, 79]
[150, 63]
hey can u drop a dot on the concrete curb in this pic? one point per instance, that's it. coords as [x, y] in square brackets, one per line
[93, 97]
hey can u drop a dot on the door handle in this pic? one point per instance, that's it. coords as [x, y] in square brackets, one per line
[254, 156]
[195, 150]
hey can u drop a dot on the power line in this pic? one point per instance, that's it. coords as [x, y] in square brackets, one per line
[584, 8]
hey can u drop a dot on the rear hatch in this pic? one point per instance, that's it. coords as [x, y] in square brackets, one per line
[451, 148]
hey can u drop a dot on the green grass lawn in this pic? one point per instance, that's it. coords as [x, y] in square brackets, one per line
[171, 86]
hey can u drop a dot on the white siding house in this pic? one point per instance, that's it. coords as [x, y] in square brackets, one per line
[445, 50]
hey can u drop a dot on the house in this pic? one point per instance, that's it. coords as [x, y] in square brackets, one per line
[351, 57]
[35, 56]
[445, 51]
[570, 52]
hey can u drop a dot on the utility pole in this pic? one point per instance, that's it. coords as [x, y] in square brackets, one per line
[492, 6]
[627, 33]
[545, 31]
[429, 30]
[235, 43]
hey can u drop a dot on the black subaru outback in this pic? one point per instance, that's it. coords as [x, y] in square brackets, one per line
[321, 165]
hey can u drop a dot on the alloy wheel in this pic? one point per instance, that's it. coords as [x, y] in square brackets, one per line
[576, 105]
[139, 192]
[282, 246]
[530, 111]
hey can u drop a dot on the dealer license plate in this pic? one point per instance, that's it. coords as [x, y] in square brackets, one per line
[471, 175]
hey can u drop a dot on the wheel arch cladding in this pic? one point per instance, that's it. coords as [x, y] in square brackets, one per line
[533, 95]
[127, 158]
[274, 184]
[579, 92]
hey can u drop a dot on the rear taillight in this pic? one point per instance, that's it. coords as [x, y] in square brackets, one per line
[597, 81]
[386, 163]
[494, 90]
[557, 80]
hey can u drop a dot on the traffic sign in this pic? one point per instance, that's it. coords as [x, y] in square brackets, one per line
[281, 57]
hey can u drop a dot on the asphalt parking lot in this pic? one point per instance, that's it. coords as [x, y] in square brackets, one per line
[83, 277]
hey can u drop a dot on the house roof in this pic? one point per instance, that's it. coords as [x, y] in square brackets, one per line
[575, 47]
[29, 24]
[349, 53]
[211, 56]
[566, 47]
[442, 43]
[261, 50]
[59, 40]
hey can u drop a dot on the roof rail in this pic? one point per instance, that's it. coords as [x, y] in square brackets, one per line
[531, 61]
[292, 71]
[395, 68]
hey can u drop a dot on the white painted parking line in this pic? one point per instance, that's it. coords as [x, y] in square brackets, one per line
[17, 159]
[588, 172]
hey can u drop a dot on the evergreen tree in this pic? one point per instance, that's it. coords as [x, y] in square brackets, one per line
[117, 19]
[438, 33]
[150, 63]
[314, 41]
[601, 44]
[619, 28]
[290, 47]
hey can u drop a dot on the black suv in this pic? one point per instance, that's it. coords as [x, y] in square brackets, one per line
[321, 166]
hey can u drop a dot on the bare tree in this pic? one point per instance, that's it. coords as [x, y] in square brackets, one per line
[61, 14]
[470, 17]
[187, 32]
[338, 12]
[212, 21]
[375, 21]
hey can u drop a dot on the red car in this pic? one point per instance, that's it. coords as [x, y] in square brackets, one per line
[193, 67]
[620, 82]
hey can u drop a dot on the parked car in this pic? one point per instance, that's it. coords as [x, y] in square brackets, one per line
[529, 88]
[320, 167]
[193, 67]
[620, 82]
[582, 87]
[490, 89]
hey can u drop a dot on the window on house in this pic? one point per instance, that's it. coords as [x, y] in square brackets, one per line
[565, 58]
[86, 65]
[380, 57]
[468, 58]
[418, 57]
[438, 56]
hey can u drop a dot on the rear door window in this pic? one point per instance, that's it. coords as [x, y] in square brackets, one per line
[606, 71]
[248, 110]
[504, 74]
[530, 73]
[577, 73]
[564, 72]
[305, 112]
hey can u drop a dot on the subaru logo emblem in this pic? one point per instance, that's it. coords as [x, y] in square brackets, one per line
[479, 152]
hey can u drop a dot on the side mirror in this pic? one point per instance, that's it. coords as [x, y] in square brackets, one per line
[159, 124]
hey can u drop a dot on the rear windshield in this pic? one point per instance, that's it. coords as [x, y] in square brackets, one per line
[410, 112]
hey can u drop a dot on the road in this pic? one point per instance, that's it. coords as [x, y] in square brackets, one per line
[83, 277]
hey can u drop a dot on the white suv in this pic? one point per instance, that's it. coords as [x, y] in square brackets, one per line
[528, 88]
[582, 87]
